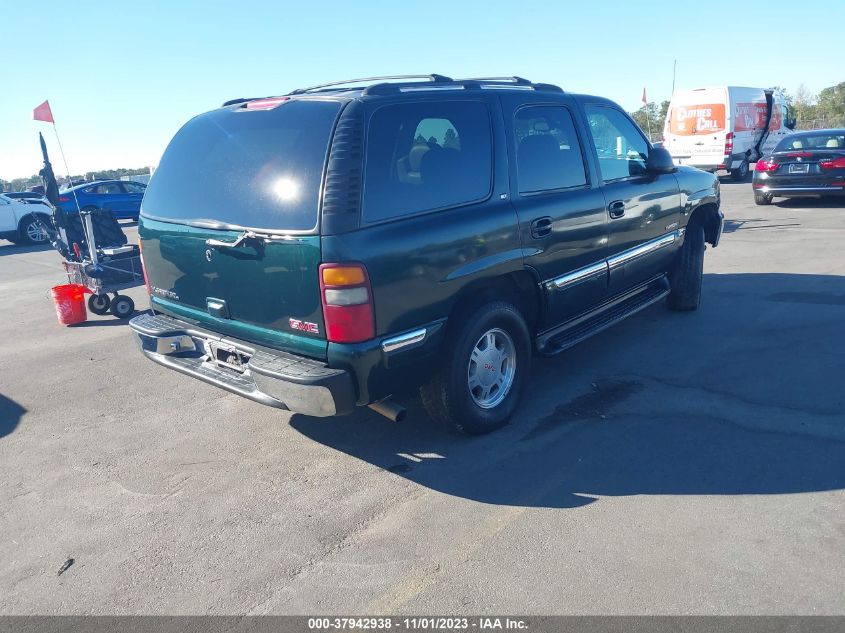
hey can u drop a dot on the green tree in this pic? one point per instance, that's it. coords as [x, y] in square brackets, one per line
[831, 103]
[652, 116]
[804, 105]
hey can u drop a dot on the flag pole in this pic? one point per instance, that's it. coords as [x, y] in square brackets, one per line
[67, 169]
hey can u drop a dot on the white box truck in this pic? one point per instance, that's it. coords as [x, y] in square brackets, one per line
[724, 127]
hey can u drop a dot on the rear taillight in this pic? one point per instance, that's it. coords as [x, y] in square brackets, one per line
[144, 268]
[766, 164]
[64, 199]
[729, 143]
[836, 163]
[347, 303]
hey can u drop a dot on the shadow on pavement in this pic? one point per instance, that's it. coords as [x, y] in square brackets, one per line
[10, 248]
[104, 321]
[10, 415]
[614, 437]
[829, 202]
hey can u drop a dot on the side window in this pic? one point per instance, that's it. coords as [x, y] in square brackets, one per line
[131, 187]
[621, 148]
[106, 188]
[426, 155]
[548, 155]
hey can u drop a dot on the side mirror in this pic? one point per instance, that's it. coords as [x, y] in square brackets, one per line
[659, 161]
[790, 123]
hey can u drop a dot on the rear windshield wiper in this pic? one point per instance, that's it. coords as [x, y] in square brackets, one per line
[250, 236]
[243, 238]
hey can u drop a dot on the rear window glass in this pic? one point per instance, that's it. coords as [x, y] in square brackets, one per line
[256, 169]
[828, 140]
[427, 155]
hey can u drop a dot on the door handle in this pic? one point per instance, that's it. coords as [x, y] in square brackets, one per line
[616, 209]
[541, 227]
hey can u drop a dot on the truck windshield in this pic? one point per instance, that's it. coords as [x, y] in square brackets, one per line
[250, 168]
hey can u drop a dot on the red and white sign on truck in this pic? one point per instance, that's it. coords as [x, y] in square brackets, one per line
[724, 127]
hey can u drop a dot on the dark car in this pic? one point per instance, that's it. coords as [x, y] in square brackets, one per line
[334, 246]
[121, 197]
[808, 163]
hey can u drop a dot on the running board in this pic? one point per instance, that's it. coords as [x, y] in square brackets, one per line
[610, 313]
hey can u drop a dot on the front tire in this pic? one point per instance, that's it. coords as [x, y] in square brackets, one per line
[99, 304]
[762, 199]
[478, 387]
[686, 275]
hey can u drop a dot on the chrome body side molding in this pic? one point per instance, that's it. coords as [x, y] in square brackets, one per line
[643, 249]
[577, 276]
[599, 268]
[396, 343]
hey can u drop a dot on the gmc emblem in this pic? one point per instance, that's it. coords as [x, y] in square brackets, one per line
[304, 326]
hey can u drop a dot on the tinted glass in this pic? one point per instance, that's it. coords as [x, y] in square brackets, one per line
[256, 169]
[132, 187]
[621, 147]
[105, 188]
[548, 155]
[828, 140]
[423, 156]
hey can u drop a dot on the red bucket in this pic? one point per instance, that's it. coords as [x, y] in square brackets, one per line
[69, 300]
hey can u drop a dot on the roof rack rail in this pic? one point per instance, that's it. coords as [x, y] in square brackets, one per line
[434, 78]
[512, 80]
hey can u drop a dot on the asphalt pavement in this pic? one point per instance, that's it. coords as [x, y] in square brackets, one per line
[679, 463]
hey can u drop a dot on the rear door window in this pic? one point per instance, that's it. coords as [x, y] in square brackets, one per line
[425, 156]
[131, 187]
[107, 188]
[249, 168]
[548, 154]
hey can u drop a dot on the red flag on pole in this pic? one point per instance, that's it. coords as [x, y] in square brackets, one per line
[43, 113]
[644, 99]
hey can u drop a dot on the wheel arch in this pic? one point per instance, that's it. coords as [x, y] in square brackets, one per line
[707, 215]
[520, 287]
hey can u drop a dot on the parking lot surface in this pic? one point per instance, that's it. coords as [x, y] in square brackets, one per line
[679, 463]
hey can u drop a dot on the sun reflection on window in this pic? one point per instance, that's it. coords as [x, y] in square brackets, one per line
[286, 189]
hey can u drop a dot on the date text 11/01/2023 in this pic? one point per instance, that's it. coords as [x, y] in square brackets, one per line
[417, 623]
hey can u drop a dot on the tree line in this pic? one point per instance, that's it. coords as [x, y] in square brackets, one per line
[812, 111]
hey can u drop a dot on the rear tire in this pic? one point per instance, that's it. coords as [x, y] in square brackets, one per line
[32, 232]
[478, 387]
[762, 199]
[687, 273]
[740, 173]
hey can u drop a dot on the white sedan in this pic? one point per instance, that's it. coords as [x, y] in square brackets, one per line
[22, 223]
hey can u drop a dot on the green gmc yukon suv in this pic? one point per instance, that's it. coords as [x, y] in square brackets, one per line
[331, 247]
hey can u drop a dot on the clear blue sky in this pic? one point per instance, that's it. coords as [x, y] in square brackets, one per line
[123, 76]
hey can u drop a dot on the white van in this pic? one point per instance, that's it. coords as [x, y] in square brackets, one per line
[724, 127]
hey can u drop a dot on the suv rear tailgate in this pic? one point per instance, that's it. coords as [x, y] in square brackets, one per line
[229, 222]
[265, 291]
